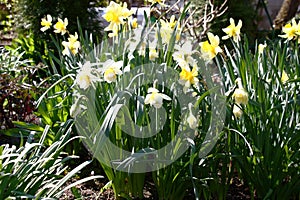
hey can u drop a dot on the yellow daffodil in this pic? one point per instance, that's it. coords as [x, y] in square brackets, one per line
[261, 48]
[116, 15]
[111, 69]
[134, 23]
[284, 77]
[188, 77]
[155, 98]
[46, 23]
[85, 77]
[61, 26]
[240, 95]
[237, 111]
[290, 30]
[153, 54]
[167, 28]
[72, 45]
[233, 31]
[210, 48]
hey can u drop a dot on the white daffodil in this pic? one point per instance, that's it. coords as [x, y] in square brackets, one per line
[155, 98]
[111, 69]
[85, 77]
[192, 120]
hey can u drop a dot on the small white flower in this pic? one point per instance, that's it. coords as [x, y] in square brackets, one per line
[155, 98]
[192, 120]
[85, 77]
[237, 111]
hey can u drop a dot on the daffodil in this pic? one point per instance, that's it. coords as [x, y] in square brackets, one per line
[167, 28]
[72, 45]
[240, 95]
[183, 53]
[85, 77]
[188, 77]
[284, 77]
[116, 15]
[210, 48]
[46, 23]
[111, 69]
[237, 111]
[61, 26]
[290, 30]
[155, 98]
[233, 31]
[261, 48]
[191, 119]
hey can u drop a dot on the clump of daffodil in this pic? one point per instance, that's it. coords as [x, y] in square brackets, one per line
[111, 70]
[61, 26]
[46, 23]
[167, 28]
[85, 76]
[210, 48]
[116, 15]
[72, 45]
[233, 31]
[291, 30]
[155, 98]
[188, 77]
[261, 48]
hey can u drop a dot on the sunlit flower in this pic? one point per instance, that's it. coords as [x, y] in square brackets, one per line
[192, 120]
[85, 77]
[233, 31]
[72, 45]
[155, 98]
[183, 53]
[237, 111]
[210, 48]
[134, 23]
[188, 77]
[61, 26]
[46, 23]
[240, 95]
[290, 30]
[284, 77]
[153, 54]
[116, 15]
[261, 48]
[111, 70]
[167, 28]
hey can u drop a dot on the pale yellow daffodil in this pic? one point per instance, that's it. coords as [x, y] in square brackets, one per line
[46, 23]
[210, 48]
[61, 26]
[72, 45]
[233, 31]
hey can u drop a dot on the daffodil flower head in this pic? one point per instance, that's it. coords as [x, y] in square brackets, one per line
[188, 77]
[261, 48]
[72, 45]
[111, 70]
[284, 77]
[240, 95]
[85, 76]
[210, 48]
[237, 111]
[155, 98]
[191, 119]
[233, 31]
[61, 26]
[46, 23]
[167, 29]
[290, 30]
